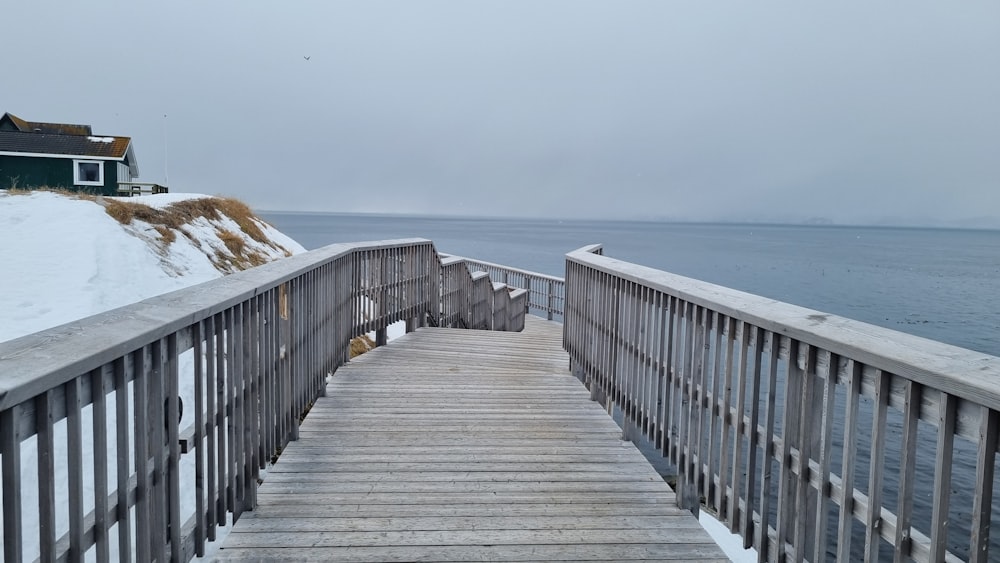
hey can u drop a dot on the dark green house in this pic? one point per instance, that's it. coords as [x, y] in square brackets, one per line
[59, 155]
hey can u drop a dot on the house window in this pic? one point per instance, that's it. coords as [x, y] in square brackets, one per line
[88, 172]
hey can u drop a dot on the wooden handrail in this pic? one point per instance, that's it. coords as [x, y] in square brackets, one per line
[544, 293]
[752, 400]
[258, 345]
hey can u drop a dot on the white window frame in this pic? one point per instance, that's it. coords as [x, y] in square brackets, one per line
[76, 173]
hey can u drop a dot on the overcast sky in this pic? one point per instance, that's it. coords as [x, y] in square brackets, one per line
[697, 110]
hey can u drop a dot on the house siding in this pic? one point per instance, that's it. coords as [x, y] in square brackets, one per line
[39, 172]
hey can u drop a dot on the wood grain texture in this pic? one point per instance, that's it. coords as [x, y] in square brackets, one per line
[454, 445]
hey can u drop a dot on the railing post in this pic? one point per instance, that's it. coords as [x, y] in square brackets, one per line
[552, 291]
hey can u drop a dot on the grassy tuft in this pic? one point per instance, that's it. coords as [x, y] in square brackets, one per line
[361, 344]
[174, 217]
[233, 242]
[168, 236]
[125, 212]
[243, 216]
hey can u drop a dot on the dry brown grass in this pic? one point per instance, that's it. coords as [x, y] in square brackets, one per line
[125, 212]
[244, 217]
[233, 242]
[172, 218]
[183, 212]
[168, 236]
[61, 191]
[361, 344]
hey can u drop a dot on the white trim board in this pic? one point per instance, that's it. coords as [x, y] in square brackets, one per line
[68, 156]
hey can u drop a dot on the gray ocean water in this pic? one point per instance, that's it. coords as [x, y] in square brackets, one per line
[936, 283]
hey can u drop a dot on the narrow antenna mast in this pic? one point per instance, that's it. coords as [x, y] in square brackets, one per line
[165, 177]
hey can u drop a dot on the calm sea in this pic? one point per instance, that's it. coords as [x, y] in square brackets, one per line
[939, 284]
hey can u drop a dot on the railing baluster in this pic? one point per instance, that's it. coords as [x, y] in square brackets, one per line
[948, 410]
[46, 476]
[123, 373]
[873, 518]
[198, 336]
[159, 506]
[736, 515]
[805, 501]
[10, 452]
[143, 492]
[220, 328]
[238, 413]
[829, 396]
[853, 395]
[74, 452]
[762, 539]
[907, 468]
[659, 358]
[714, 414]
[985, 468]
[698, 457]
[760, 341]
[722, 498]
[171, 388]
[98, 394]
[789, 430]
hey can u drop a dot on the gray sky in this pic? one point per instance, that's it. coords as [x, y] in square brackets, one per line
[696, 110]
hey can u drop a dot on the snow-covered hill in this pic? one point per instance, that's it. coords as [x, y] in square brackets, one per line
[65, 257]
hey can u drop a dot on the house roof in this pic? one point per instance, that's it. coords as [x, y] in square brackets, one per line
[68, 145]
[31, 138]
[40, 127]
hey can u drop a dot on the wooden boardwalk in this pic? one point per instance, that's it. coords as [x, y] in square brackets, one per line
[460, 445]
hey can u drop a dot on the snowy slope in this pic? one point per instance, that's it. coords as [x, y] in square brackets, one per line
[65, 258]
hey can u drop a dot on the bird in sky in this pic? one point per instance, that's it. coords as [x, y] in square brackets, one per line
[306, 58]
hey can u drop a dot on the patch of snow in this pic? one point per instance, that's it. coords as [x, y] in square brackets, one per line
[65, 259]
[731, 544]
[160, 201]
[101, 139]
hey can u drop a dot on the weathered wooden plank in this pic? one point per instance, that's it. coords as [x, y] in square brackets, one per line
[317, 446]
[275, 477]
[577, 509]
[467, 537]
[326, 466]
[434, 438]
[493, 458]
[590, 552]
[347, 523]
[542, 486]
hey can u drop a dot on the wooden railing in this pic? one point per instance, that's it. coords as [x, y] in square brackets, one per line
[139, 188]
[813, 436]
[545, 293]
[243, 357]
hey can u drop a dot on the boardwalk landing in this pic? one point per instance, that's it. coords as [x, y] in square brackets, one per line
[459, 445]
